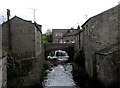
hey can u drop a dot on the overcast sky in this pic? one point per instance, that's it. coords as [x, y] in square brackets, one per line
[53, 14]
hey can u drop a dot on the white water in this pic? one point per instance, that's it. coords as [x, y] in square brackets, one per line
[59, 76]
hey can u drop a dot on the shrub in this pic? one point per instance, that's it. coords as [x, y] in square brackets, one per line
[79, 58]
[46, 65]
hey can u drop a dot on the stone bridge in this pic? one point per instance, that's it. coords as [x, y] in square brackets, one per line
[68, 47]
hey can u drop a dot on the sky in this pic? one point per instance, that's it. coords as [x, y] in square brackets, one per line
[55, 14]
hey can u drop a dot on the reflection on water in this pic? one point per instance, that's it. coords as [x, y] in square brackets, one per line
[59, 76]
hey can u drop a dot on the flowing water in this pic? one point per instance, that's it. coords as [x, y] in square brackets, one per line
[60, 76]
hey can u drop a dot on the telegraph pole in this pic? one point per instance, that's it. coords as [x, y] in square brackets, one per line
[34, 11]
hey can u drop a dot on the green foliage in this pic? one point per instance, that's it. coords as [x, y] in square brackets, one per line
[17, 68]
[46, 38]
[2, 53]
[46, 65]
[79, 58]
[49, 37]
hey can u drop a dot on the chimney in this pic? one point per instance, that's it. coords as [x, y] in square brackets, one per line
[8, 14]
[9, 30]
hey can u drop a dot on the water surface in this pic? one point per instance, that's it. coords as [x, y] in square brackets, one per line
[60, 76]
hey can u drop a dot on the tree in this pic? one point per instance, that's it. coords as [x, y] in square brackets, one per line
[47, 37]
[48, 32]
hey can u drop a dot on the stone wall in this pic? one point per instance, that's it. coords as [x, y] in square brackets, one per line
[107, 69]
[100, 31]
[22, 36]
[57, 34]
[38, 42]
[34, 77]
[5, 46]
[68, 47]
[79, 40]
[119, 39]
[25, 40]
[25, 72]
[3, 72]
[0, 72]
[63, 35]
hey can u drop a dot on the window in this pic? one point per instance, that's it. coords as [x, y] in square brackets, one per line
[71, 31]
[67, 40]
[58, 34]
[61, 41]
[68, 31]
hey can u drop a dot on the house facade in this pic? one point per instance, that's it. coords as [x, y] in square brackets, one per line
[22, 36]
[100, 32]
[69, 36]
[63, 35]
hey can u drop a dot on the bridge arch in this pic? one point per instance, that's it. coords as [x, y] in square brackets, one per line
[68, 47]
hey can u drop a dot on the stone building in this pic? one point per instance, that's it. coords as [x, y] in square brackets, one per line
[63, 35]
[79, 40]
[22, 36]
[100, 32]
[107, 65]
[69, 36]
[3, 67]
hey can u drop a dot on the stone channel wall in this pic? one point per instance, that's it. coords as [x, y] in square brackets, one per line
[35, 74]
[3, 72]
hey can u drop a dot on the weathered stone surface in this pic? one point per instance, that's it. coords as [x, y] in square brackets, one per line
[68, 47]
[25, 36]
[25, 39]
[35, 75]
[63, 35]
[107, 66]
[3, 72]
[100, 31]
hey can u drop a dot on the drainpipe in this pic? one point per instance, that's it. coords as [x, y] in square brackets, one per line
[79, 35]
